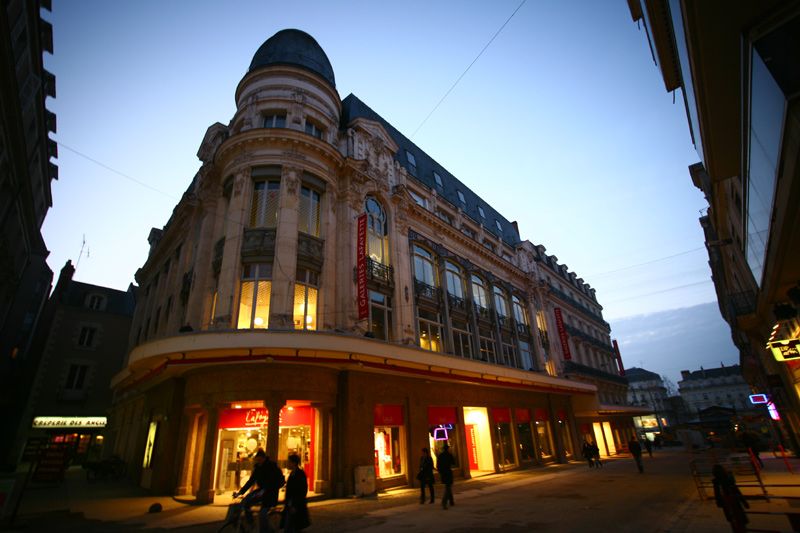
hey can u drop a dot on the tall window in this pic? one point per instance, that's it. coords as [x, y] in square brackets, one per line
[227, 190]
[487, 344]
[525, 355]
[275, 120]
[479, 292]
[313, 129]
[377, 234]
[305, 299]
[424, 269]
[455, 281]
[430, 330]
[264, 208]
[308, 216]
[95, 301]
[380, 316]
[500, 301]
[76, 377]
[509, 352]
[86, 337]
[255, 295]
[520, 314]
[462, 339]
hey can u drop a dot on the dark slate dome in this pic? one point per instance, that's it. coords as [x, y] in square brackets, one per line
[294, 48]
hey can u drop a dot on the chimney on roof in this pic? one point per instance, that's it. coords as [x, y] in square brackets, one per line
[685, 374]
[703, 371]
[516, 227]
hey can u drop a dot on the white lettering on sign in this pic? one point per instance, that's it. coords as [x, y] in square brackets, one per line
[69, 422]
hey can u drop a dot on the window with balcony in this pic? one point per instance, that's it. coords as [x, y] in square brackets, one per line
[455, 280]
[305, 299]
[377, 233]
[308, 211]
[254, 296]
[501, 304]
[479, 295]
[424, 268]
[520, 313]
[264, 206]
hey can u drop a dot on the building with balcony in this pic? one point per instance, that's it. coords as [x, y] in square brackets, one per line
[736, 67]
[722, 387]
[81, 343]
[326, 288]
[25, 175]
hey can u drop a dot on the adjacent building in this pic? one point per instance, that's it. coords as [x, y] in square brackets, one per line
[736, 66]
[26, 171]
[326, 288]
[647, 389]
[82, 340]
[721, 387]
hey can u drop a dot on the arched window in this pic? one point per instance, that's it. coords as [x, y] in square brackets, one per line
[377, 234]
[520, 312]
[500, 301]
[424, 269]
[455, 281]
[479, 292]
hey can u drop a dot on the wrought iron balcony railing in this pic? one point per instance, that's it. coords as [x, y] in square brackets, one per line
[427, 291]
[380, 272]
[571, 367]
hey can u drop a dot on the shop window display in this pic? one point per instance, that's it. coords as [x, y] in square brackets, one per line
[388, 460]
[443, 434]
[545, 439]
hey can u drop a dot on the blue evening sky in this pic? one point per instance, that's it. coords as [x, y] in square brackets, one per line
[563, 124]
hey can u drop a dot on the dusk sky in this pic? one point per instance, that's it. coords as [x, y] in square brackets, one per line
[562, 124]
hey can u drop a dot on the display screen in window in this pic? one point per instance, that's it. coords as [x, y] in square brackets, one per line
[388, 460]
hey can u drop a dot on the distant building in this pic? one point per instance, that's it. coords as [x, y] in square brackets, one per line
[83, 341]
[647, 389]
[736, 66]
[326, 288]
[723, 387]
[25, 175]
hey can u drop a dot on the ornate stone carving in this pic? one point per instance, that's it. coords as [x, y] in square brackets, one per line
[298, 103]
[258, 244]
[292, 177]
[294, 153]
[310, 251]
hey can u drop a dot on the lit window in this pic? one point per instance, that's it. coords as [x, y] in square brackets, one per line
[438, 179]
[461, 197]
[255, 295]
[430, 330]
[377, 234]
[481, 213]
[86, 337]
[264, 207]
[308, 214]
[305, 299]
[313, 129]
[274, 121]
[412, 163]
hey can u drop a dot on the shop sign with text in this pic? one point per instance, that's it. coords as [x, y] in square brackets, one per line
[785, 350]
[69, 422]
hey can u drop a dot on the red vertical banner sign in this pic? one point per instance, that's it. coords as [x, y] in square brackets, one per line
[562, 333]
[361, 251]
[472, 439]
[619, 358]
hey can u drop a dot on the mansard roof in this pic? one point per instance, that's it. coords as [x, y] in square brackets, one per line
[294, 48]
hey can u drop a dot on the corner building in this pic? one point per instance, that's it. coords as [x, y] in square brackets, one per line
[259, 323]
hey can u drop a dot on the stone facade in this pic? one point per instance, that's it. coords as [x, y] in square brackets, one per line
[249, 310]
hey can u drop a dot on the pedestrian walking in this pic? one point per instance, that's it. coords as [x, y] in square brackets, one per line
[295, 512]
[729, 497]
[268, 479]
[588, 454]
[636, 451]
[444, 464]
[425, 475]
[596, 453]
[648, 445]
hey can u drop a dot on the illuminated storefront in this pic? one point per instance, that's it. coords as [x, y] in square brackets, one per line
[80, 434]
[506, 452]
[544, 434]
[443, 429]
[565, 434]
[527, 448]
[389, 441]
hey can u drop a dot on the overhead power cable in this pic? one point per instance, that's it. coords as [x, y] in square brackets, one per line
[469, 67]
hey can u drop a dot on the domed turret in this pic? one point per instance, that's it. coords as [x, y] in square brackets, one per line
[297, 49]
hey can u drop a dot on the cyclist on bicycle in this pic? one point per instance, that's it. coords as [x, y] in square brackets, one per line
[269, 480]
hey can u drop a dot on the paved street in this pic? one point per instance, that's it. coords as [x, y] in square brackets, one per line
[562, 498]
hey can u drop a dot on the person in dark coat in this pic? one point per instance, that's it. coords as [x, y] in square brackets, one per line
[648, 446]
[269, 480]
[425, 475]
[444, 464]
[729, 497]
[588, 454]
[295, 513]
[595, 453]
[636, 451]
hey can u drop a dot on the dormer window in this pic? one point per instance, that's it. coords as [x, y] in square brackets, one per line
[461, 198]
[422, 202]
[438, 178]
[499, 227]
[313, 129]
[481, 213]
[275, 120]
[412, 163]
[95, 301]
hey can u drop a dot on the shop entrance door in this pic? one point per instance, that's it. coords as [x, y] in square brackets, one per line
[479, 441]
